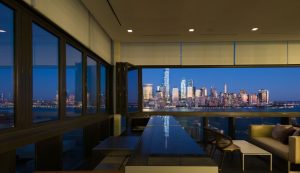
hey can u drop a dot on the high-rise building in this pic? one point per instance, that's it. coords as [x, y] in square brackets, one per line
[263, 96]
[167, 83]
[147, 91]
[244, 96]
[175, 95]
[190, 92]
[225, 88]
[190, 83]
[183, 89]
[252, 99]
[197, 93]
[213, 92]
[203, 91]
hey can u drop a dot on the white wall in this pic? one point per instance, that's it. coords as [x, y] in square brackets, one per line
[212, 53]
[74, 18]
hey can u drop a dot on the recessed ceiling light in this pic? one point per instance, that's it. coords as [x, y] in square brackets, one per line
[191, 30]
[1, 30]
[129, 30]
[254, 29]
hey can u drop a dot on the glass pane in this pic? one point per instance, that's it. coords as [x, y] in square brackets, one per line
[73, 82]
[221, 89]
[73, 149]
[91, 85]
[219, 123]
[103, 88]
[45, 75]
[133, 90]
[243, 124]
[6, 67]
[193, 126]
[25, 159]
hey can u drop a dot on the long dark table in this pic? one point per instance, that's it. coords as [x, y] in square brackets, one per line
[164, 142]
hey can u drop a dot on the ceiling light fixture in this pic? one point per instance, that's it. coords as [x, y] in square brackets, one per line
[191, 30]
[254, 29]
[1, 30]
[129, 30]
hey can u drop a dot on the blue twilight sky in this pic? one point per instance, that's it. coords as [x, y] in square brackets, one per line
[282, 82]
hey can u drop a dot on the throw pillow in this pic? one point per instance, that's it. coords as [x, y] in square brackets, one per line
[284, 138]
[278, 131]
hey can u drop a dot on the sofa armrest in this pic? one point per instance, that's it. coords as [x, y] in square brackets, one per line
[261, 130]
[294, 149]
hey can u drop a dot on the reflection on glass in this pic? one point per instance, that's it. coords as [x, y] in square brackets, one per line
[295, 121]
[219, 123]
[6, 67]
[91, 85]
[193, 126]
[221, 89]
[243, 124]
[132, 90]
[73, 149]
[73, 82]
[25, 159]
[103, 88]
[44, 74]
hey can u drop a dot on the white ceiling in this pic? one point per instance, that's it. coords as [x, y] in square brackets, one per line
[213, 20]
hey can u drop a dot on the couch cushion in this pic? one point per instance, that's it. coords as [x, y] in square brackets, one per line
[278, 132]
[272, 145]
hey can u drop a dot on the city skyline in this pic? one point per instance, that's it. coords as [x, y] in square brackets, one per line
[283, 88]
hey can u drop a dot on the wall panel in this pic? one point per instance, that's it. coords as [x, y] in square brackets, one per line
[294, 52]
[100, 43]
[73, 17]
[69, 15]
[249, 53]
[151, 53]
[215, 53]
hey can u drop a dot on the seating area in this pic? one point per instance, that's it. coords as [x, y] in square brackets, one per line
[264, 136]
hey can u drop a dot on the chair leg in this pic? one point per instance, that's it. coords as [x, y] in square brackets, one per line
[222, 159]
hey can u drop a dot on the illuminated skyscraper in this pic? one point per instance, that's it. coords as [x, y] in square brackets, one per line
[244, 96]
[167, 83]
[147, 91]
[197, 93]
[225, 88]
[190, 92]
[175, 95]
[252, 99]
[203, 91]
[183, 89]
[213, 92]
[263, 96]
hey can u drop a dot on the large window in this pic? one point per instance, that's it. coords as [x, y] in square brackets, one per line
[91, 85]
[103, 74]
[73, 82]
[45, 75]
[221, 89]
[6, 67]
[132, 90]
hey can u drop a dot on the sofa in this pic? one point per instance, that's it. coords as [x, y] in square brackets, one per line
[261, 136]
